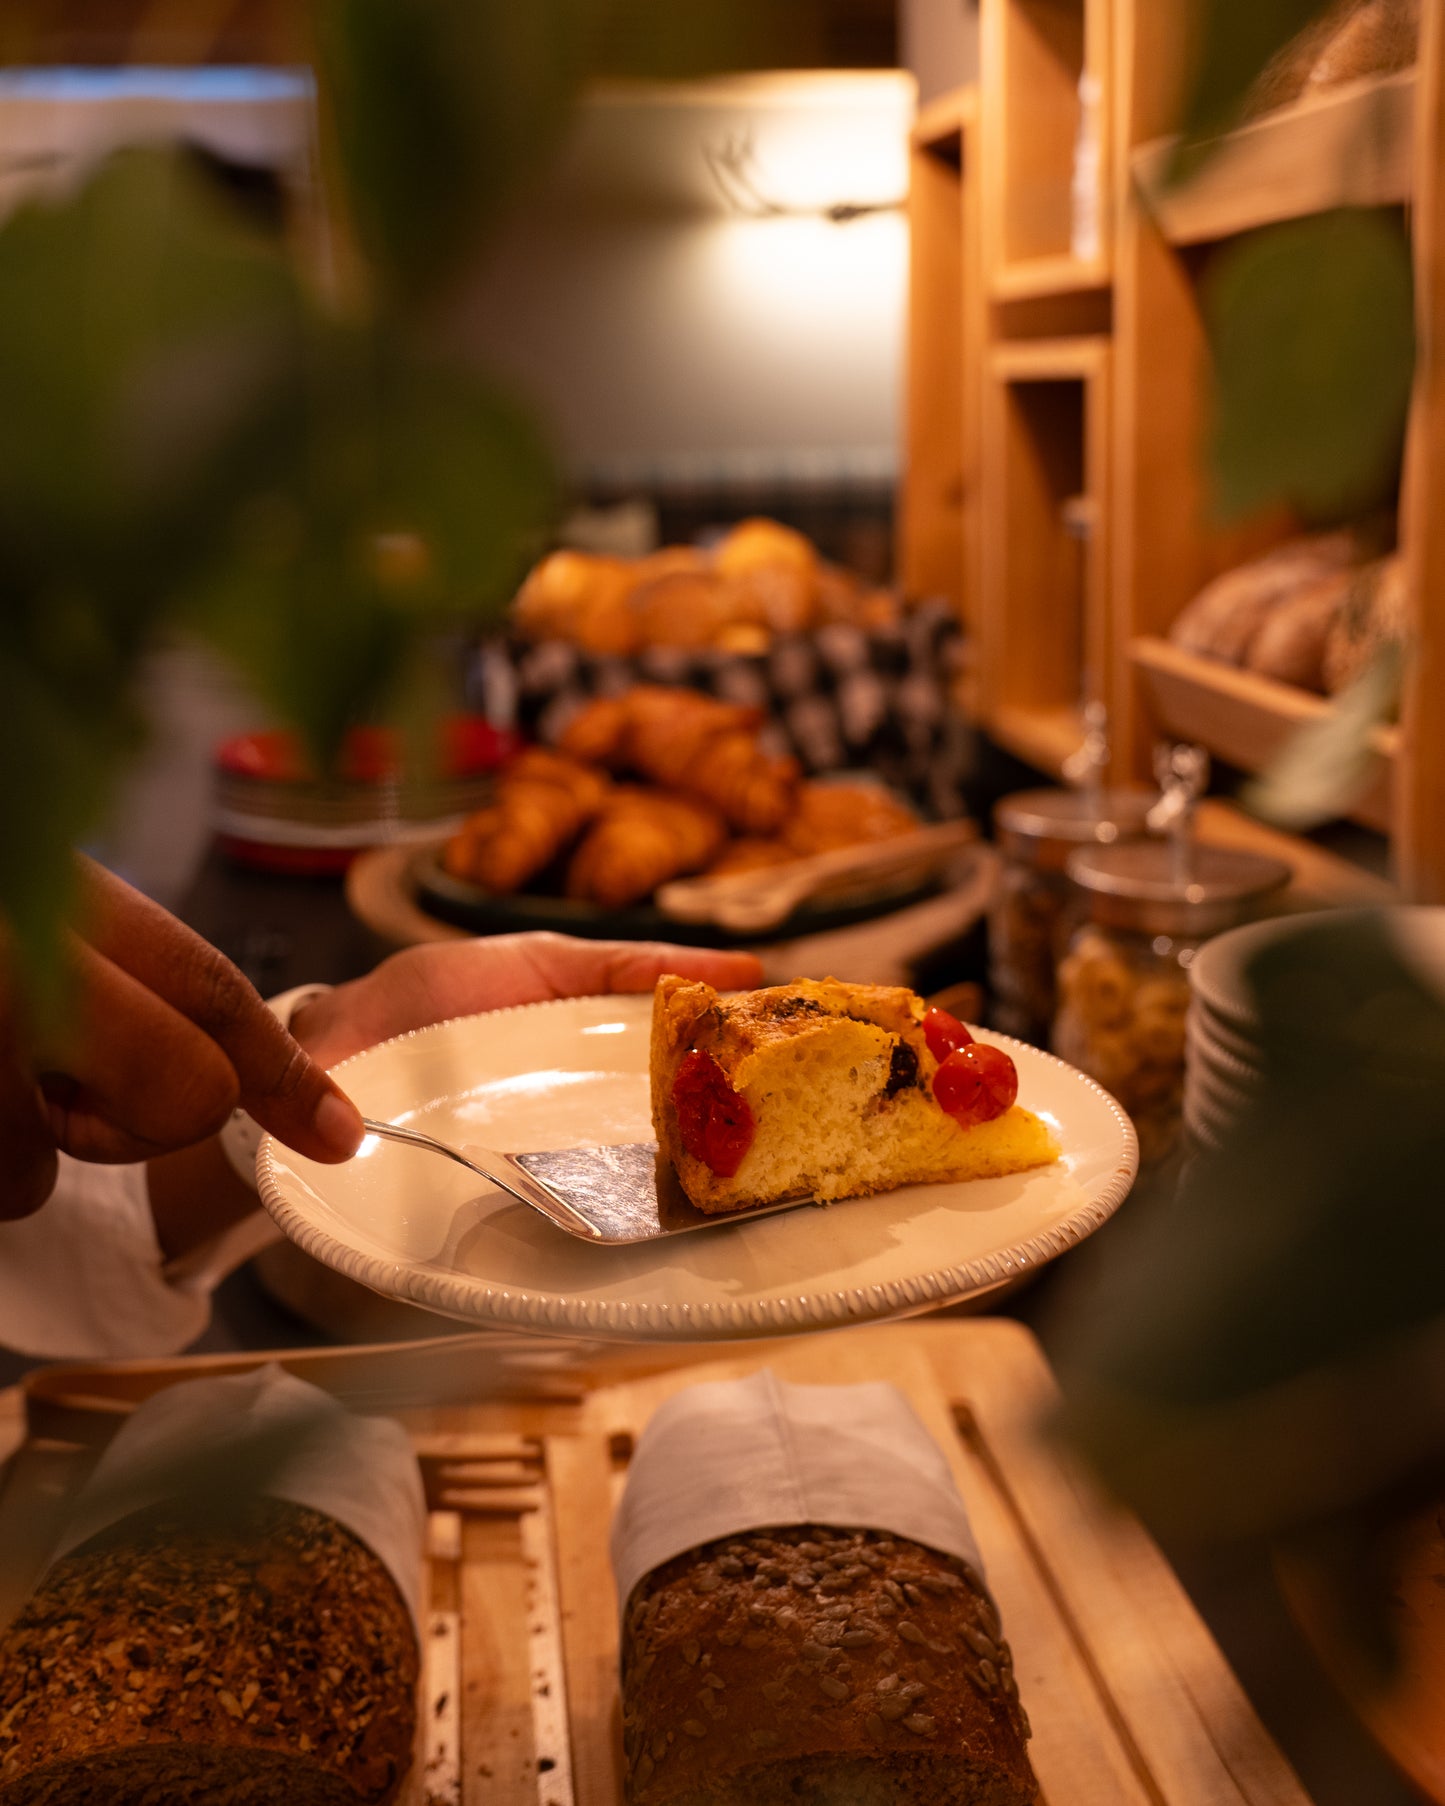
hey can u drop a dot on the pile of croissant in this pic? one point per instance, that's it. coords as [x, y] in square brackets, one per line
[653, 785]
[761, 579]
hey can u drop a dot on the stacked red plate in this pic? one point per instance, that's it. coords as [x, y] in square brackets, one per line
[271, 810]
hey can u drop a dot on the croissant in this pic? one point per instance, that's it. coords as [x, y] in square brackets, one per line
[642, 839]
[692, 743]
[543, 803]
[596, 732]
[845, 815]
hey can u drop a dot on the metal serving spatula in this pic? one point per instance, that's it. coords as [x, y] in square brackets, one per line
[617, 1195]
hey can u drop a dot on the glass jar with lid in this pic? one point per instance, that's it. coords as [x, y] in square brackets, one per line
[1124, 981]
[1030, 916]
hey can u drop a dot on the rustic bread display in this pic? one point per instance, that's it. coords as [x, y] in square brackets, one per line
[819, 1665]
[1224, 618]
[761, 579]
[263, 1657]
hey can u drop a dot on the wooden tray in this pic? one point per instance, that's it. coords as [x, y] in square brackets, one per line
[524, 1448]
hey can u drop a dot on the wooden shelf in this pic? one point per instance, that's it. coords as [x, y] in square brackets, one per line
[1038, 277]
[1049, 360]
[1320, 877]
[940, 125]
[1348, 147]
[1246, 720]
[1043, 738]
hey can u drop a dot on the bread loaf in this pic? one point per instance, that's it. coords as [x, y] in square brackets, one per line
[818, 1665]
[1290, 646]
[1224, 618]
[1377, 37]
[266, 1658]
[1375, 615]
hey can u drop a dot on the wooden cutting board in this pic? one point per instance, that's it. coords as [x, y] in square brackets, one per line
[524, 1449]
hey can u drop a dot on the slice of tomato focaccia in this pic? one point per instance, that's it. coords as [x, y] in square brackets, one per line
[819, 1089]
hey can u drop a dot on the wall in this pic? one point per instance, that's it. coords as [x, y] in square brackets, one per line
[938, 43]
[669, 337]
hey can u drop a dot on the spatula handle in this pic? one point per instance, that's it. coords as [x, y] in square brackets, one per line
[501, 1169]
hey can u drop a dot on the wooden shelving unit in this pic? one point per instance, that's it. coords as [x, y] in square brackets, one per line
[1089, 378]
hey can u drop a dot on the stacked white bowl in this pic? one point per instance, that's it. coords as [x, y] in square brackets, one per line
[1224, 1047]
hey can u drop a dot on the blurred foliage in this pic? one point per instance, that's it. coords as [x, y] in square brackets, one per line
[1312, 326]
[200, 429]
[1325, 766]
[1228, 1370]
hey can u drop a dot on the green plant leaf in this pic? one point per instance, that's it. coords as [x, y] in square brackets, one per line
[140, 325]
[388, 494]
[1325, 764]
[441, 109]
[1312, 328]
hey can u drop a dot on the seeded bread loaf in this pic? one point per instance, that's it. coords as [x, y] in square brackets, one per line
[267, 1659]
[823, 1666]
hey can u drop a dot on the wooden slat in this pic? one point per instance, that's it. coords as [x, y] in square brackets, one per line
[1421, 853]
[941, 122]
[1049, 360]
[1036, 277]
[1247, 720]
[931, 494]
[581, 1480]
[1351, 146]
[499, 1765]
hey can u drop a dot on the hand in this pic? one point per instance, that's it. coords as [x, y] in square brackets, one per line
[458, 978]
[164, 1039]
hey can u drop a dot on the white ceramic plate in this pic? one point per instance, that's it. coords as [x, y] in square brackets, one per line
[552, 1075]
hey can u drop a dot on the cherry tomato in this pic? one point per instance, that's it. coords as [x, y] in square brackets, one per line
[976, 1084]
[715, 1122]
[944, 1034]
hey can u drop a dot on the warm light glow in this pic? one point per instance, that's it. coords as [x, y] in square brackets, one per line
[825, 142]
[805, 270]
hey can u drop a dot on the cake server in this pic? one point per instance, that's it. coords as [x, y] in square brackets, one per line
[613, 1195]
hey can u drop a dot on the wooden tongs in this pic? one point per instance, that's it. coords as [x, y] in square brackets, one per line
[752, 902]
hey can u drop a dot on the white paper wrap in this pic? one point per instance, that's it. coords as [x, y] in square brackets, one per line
[359, 1470]
[740, 1455]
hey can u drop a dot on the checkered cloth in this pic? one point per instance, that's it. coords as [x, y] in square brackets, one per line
[839, 698]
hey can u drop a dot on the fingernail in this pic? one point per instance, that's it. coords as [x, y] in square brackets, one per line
[338, 1122]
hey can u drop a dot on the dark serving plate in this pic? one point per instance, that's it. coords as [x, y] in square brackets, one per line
[468, 906]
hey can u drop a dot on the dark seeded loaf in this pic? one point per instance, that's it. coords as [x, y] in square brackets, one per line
[819, 1667]
[267, 1660]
